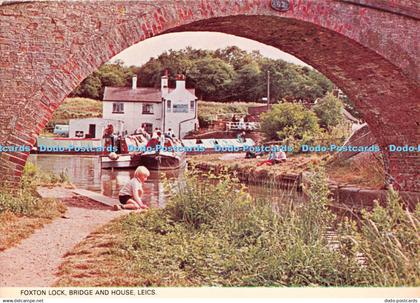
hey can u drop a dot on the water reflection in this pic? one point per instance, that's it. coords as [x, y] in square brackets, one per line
[85, 172]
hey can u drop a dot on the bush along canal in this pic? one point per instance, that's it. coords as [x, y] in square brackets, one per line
[213, 233]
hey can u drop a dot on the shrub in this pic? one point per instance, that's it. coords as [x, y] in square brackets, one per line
[387, 244]
[329, 111]
[25, 200]
[197, 202]
[290, 122]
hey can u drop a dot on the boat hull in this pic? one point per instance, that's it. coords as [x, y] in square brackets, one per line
[151, 161]
[123, 161]
[163, 162]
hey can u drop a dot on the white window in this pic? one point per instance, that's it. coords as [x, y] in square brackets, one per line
[118, 108]
[192, 105]
[147, 109]
[180, 108]
[168, 106]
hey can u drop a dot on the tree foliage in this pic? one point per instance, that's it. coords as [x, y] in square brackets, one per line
[228, 74]
[115, 74]
[289, 121]
[329, 111]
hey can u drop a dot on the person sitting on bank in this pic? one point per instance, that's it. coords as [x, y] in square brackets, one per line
[254, 153]
[130, 194]
[276, 156]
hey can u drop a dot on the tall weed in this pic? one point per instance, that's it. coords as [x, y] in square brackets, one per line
[25, 200]
[213, 233]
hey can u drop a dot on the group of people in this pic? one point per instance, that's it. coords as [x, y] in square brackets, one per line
[275, 156]
[158, 135]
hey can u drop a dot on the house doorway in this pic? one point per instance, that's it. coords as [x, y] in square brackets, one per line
[92, 131]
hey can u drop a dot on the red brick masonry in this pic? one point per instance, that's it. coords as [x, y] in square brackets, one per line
[369, 48]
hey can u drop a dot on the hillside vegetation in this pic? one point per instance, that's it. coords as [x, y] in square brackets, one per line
[75, 108]
[228, 74]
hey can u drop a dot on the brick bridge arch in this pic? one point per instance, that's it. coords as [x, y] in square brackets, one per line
[368, 48]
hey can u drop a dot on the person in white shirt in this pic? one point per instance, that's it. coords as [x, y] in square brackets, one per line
[130, 194]
[277, 155]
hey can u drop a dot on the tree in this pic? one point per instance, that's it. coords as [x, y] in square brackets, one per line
[211, 77]
[289, 121]
[228, 74]
[245, 86]
[329, 111]
[107, 75]
[91, 87]
[234, 56]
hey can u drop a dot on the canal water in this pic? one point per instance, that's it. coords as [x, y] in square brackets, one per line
[84, 171]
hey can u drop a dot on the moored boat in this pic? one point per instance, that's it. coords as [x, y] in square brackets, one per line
[119, 161]
[163, 160]
[151, 155]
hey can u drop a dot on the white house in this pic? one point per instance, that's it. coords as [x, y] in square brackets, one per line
[92, 127]
[163, 108]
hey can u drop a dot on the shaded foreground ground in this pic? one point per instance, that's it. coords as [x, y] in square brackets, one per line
[34, 261]
[14, 228]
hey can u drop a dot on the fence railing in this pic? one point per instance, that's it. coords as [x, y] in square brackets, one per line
[242, 125]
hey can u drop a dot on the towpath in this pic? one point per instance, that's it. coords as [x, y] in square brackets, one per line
[34, 262]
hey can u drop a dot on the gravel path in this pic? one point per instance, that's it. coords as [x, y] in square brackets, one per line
[34, 262]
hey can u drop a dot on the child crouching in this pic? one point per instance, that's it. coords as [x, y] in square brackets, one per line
[130, 194]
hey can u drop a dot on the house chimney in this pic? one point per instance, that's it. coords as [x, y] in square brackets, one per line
[164, 83]
[180, 81]
[134, 82]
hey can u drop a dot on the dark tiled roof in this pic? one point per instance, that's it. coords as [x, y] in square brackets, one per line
[140, 94]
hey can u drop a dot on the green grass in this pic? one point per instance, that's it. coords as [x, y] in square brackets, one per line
[25, 201]
[22, 211]
[214, 234]
[208, 110]
[76, 108]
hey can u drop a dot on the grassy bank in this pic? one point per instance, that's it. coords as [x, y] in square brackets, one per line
[23, 211]
[76, 108]
[207, 111]
[295, 164]
[364, 170]
[213, 233]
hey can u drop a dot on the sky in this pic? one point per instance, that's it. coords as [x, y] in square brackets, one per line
[141, 52]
